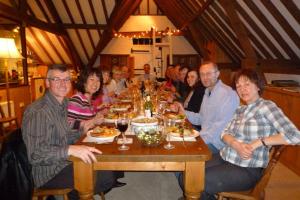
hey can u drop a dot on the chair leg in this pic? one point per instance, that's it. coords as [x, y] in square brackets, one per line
[66, 197]
[102, 196]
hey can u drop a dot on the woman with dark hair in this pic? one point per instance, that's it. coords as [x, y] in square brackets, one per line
[194, 98]
[255, 127]
[81, 111]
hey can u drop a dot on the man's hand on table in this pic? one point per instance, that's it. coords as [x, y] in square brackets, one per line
[85, 153]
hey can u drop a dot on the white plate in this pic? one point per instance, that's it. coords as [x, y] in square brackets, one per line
[120, 108]
[108, 120]
[138, 121]
[103, 138]
[193, 134]
[125, 100]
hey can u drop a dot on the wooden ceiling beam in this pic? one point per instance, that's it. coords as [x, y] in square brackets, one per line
[13, 14]
[73, 54]
[260, 33]
[221, 23]
[219, 40]
[23, 8]
[196, 35]
[105, 10]
[283, 22]
[221, 34]
[76, 30]
[46, 36]
[39, 4]
[35, 53]
[40, 44]
[271, 29]
[95, 17]
[119, 15]
[84, 26]
[203, 8]
[293, 9]
[84, 22]
[161, 5]
[241, 32]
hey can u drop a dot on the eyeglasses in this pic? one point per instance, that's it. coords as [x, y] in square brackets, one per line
[208, 74]
[57, 80]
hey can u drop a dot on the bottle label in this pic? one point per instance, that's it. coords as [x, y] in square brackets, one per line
[147, 113]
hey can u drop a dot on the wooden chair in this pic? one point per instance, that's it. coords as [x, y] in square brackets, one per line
[257, 193]
[11, 121]
[42, 194]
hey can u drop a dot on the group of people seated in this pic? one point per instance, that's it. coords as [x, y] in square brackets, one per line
[238, 134]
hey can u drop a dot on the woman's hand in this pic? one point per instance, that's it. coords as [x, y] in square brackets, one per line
[85, 153]
[98, 119]
[244, 150]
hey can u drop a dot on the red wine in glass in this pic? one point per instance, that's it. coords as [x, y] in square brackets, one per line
[122, 126]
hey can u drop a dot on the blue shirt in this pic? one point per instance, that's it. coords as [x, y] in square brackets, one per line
[216, 111]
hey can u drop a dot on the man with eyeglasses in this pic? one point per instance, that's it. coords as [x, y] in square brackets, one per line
[49, 139]
[217, 108]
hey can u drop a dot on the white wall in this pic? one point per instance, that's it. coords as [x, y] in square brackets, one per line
[271, 76]
[144, 23]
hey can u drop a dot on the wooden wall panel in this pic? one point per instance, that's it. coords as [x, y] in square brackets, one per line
[289, 102]
[21, 98]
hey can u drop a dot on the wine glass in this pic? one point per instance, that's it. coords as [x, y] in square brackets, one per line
[168, 123]
[122, 125]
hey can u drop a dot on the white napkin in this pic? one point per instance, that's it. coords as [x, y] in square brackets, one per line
[95, 140]
[128, 141]
[186, 139]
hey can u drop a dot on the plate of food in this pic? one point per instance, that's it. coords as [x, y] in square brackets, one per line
[144, 121]
[120, 107]
[125, 100]
[103, 133]
[188, 133]
[176, 117]
[111, 117]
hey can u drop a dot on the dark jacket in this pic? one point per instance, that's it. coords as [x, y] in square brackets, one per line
[16, 181]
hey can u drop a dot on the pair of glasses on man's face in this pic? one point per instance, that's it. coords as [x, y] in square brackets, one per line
[57, 80]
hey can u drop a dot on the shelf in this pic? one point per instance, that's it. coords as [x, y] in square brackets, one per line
[162, 44]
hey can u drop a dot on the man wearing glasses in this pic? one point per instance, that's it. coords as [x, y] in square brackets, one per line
[49, 139]
[217, 108]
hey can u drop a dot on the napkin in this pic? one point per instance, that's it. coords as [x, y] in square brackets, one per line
[95, 140]
[186, 139]
[128, 141]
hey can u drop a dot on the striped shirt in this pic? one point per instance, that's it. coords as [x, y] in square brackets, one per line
[79, 108]
[260, 119]
[47, 136]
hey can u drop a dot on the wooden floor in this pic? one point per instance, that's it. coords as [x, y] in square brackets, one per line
[284, 184]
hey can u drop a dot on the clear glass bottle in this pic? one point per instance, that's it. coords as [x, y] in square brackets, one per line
[148, 106]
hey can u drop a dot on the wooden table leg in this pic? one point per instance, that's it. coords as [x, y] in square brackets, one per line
[84, 179]
[194, 179]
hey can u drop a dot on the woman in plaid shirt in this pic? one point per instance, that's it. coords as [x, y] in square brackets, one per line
[255, 127]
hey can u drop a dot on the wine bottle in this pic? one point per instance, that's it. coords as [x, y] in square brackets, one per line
[148, 106]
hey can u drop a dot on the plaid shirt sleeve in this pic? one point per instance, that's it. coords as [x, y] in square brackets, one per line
[281, 123]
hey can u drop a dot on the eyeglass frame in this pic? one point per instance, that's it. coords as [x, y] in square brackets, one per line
[208, 74]
[57, 80]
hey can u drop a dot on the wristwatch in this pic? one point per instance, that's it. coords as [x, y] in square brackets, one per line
[263, 142]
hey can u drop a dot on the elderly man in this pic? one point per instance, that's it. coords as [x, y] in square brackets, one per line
[147, 75]
[50, 141]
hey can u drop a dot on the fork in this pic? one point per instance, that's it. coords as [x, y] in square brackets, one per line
[182, 135]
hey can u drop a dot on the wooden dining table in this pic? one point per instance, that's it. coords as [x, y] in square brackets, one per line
[188, 157]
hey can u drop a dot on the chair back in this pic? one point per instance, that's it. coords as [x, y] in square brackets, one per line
[258, 190]
[16, 181]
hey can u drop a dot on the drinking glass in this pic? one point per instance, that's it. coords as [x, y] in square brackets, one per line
[122, 125]
[168, 123]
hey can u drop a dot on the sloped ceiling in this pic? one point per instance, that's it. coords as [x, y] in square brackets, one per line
[76, 31]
